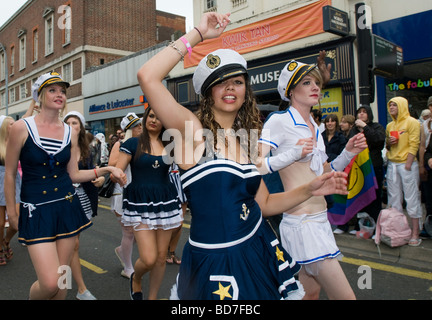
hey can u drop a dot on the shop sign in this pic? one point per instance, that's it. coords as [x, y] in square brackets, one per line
[296, 24]
[331, 102]
[111, 105]
[335, 21]
[410, 85]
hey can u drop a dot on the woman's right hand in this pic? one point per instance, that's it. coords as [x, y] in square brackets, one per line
[213, 24]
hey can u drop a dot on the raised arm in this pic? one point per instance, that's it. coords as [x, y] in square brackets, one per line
[151, 74]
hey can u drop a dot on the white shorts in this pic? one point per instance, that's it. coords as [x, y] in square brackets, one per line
[308, 238]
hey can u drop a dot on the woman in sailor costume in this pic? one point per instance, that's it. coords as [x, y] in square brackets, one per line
[231, 253]
[51, 215]
[150, 203]
[305, 230]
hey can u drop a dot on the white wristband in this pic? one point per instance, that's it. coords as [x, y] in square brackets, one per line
[340, 163]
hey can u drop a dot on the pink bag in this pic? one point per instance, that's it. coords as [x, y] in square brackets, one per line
[392, 228]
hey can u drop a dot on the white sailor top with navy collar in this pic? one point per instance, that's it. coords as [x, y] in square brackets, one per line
[283, 129]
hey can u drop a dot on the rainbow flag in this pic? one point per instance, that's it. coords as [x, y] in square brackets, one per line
[361, 190]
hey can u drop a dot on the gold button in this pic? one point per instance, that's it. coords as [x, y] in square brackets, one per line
[55, 189]
[55, 176]
[44, 192]
[43, 177]
[57, 163]
[44, 164]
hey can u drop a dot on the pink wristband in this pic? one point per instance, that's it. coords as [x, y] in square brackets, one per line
[187, 44]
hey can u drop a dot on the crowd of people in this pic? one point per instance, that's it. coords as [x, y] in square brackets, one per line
[52, 170]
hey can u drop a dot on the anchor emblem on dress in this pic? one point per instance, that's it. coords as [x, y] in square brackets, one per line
[156, 165]
[245, 213]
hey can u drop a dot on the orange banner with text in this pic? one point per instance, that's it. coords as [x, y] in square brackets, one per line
[293, 25]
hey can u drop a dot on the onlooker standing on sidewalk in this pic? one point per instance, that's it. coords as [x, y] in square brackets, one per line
[375, 137]
[403, 179]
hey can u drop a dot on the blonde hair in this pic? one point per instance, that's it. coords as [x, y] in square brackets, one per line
[4, 134]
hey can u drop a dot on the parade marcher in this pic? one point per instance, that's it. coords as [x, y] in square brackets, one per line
[305, 230]
[150, 203]
[51, 215]
[231, 253]
[131, 125]
[87, 193]
[6, 251]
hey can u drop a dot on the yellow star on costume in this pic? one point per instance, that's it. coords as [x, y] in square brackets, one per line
[223, 291]
[279, 254]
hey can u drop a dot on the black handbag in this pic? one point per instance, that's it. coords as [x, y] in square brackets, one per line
[106, 191]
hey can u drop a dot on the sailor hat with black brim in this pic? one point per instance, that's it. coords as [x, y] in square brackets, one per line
[291, 75]
[218, 66]
[129, 121]
[45, 80]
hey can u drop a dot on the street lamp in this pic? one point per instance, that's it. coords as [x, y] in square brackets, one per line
[6, 78]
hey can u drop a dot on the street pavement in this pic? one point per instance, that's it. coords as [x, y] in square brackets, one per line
[101, 268]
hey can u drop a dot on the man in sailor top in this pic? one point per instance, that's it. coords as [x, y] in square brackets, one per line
[305, 231]
[232, 253]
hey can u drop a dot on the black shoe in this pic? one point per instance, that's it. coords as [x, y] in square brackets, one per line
[134, 295]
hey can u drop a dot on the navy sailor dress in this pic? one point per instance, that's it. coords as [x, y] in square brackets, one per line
[232, 253]
[49, 209]
[150, 200]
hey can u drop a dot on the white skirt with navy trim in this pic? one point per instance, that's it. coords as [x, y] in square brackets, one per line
[308, 238]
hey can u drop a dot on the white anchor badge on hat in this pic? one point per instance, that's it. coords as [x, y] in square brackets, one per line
[45, 80]
[290, 76]
[217, 66]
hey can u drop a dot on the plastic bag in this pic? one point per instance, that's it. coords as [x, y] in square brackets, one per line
[367, 225]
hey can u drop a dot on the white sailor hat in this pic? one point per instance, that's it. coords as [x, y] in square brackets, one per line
[129, 121]
[217, 66]
[44, 80]
[76, 114]
[290, 76]
[2, 118]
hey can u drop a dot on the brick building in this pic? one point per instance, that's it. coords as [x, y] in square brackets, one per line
[71, 37]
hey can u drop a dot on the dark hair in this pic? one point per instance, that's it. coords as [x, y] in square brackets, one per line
[83, 141]
[144, 145]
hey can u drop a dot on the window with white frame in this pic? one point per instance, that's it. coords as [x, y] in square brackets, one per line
[49, 34]
[67, 24]
[210, 5]
[12, 60]
[67, 72]
[23, 91]
[35, 44]
[2, 66]
[12, 95]
[22, 51]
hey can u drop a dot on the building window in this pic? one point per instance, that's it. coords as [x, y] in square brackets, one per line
[35, 45]
[49, 34]
[12, 95]
[2, 66]
[210, 5]
[67, 72]
[12, 61]
[22, 52]
[23, 91]
[66, 23]
[238, 3]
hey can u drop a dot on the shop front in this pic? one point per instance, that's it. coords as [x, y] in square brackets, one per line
[338, 97]
[105, 111]
[411, 33]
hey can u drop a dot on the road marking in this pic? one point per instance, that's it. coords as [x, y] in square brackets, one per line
[92, 267]
[387, 268]
[104, 207]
